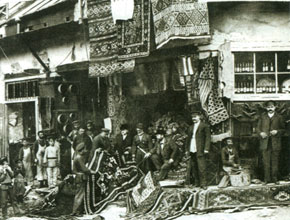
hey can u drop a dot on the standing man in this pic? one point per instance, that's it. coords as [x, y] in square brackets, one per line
[38, 149]
[270, 129]
[198, 144]
[82, 174]
[123, 143]
[101, 142]
[27, 157]
[164, 154]
[141, 147]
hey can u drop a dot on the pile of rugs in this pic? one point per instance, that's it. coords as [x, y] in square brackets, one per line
[174, 202]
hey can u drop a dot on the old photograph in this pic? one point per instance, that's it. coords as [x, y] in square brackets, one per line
[144, 109]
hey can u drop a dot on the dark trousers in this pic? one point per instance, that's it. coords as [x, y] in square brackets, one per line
[145, 165]
[196, 168]
[6, 194]
[79, 198]
[161, 165]
[270, 163]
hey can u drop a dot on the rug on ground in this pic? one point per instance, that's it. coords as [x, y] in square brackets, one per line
[109, 183]
[174, 202]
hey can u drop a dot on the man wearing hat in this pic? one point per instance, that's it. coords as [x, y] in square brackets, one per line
[90, 129]
[82, 137]
[198, 144]
[141, 146]
[101, 142]
[122, 144]
[82, 173]
[74, 132]
[163, 154]
[270, 128]
[230, 156]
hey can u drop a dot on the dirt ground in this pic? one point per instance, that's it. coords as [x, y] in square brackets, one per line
[114, 212]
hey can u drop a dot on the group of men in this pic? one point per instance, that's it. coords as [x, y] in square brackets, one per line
[162, 153]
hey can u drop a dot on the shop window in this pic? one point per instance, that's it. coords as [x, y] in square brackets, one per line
[22, 89]
[262, 74]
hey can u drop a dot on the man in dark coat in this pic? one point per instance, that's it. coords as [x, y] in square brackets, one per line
[163, 154]
[141, 147]
[123, 143]
[82, 137]
[198, 144]
[101, 142]
[270, 129]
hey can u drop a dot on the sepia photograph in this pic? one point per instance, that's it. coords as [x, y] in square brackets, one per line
[144, 109]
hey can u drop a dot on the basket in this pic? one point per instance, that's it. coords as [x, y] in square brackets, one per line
[241, 179]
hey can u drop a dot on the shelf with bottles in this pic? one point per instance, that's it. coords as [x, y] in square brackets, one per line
[244, 84]
[265, 62]
[244, 63]
[283, 62]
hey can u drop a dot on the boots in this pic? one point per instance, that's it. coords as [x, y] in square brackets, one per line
[45, 183]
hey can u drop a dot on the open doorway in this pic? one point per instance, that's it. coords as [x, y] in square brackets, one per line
[21, 124]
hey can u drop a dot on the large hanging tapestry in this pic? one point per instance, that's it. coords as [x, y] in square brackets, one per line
[179, 19]
[134, 34]
[109, 183]
[103, 41]
[208, 93]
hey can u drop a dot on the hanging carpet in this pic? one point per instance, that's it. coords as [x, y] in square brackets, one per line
[179, 19]
[109, 183]
[134, 34]
[103, 41]
[208, 93]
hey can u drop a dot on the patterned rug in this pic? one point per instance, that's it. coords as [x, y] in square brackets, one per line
[103, 41]
[232, 197]
[207, 84]
[174, 202]
[179, 19]
[109, 183]
[134, 35]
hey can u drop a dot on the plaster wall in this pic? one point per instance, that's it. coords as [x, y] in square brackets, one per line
[246, 26]
[55, 51]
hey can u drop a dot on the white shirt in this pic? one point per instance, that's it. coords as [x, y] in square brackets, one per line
[271, 114]
[162, 144]
[193, 141]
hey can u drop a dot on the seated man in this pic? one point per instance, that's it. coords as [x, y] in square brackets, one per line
[230, 157]
[163, 154]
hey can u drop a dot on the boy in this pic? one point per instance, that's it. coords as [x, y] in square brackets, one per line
[52, 160]
[6, 176]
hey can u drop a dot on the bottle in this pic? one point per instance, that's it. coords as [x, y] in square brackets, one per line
[248, 88]
[251, 90]
[288, 65]
[264, 68]
[263, 89]
[272, 67]
[245, 87]
[242, 88]
[238, 88]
